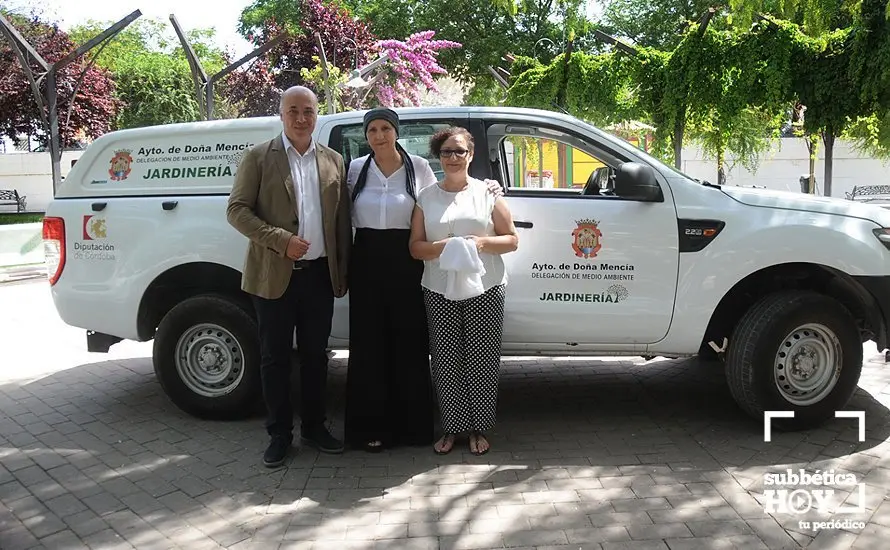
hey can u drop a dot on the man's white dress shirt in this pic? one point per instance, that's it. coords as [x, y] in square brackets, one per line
[307, 191]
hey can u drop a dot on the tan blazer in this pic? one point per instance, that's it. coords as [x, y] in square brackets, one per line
[262, 207]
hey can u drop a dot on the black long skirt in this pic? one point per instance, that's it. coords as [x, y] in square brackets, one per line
[389, 394]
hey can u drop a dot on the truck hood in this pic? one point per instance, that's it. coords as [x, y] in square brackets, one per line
[789, 200]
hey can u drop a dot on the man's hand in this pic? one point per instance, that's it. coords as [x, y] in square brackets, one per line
[494, 188]
[296, 248]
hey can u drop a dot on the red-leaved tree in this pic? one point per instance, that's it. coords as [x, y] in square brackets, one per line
[347, 43]
[252, 91]
[94, 107]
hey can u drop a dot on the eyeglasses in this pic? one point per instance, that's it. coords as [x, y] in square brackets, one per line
[458, 153]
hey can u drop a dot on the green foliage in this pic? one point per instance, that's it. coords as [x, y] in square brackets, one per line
[391, 19]
[315, 78]
[13, 219]
[727, 90]
[651, 23]
[253, 23]
[537, 87]
[151, 71]
[870, 56]
[815, 17]
[610, 100]
[871, 135]
[484, 92]
[487, 31]
[824, 83]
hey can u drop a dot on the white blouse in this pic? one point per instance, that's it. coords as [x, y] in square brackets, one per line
[384, 203]
[462, 213]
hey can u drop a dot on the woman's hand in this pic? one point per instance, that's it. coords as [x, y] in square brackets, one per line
[478, 241]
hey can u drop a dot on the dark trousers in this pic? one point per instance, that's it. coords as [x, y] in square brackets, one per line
[389, 394]
[307, 306]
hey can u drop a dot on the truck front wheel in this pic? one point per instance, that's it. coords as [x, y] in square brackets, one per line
[206, 358]
[795, 351]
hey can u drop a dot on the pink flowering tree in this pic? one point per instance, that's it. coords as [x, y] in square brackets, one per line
[412, 65]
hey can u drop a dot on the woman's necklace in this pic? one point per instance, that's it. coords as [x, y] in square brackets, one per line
[449, 219]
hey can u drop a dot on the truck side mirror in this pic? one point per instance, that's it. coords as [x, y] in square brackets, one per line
[637, 182]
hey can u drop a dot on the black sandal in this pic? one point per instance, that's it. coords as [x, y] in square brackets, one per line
[475, 438]
[375, 446]
[444, 445]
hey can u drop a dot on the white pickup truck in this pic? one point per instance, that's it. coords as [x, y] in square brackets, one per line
[619, 255]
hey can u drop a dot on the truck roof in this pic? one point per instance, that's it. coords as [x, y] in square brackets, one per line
[198, 158]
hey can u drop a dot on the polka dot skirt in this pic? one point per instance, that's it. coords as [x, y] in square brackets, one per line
[465, 347]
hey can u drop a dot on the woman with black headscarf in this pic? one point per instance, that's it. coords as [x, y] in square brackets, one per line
[389, 398]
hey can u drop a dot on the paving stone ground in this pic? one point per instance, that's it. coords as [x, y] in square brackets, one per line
[588, 454]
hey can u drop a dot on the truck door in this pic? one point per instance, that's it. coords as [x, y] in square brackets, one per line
[592, 267]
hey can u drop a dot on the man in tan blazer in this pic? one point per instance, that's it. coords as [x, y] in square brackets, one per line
[290, 199]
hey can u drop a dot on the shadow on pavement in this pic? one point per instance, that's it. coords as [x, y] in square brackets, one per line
[585, 451]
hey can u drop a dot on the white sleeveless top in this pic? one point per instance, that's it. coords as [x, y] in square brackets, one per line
[462, 213]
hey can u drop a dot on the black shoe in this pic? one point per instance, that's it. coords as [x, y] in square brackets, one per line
[276, 452]
[322, 440]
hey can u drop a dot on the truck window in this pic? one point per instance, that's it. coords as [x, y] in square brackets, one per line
[414, 136]
[546, 159]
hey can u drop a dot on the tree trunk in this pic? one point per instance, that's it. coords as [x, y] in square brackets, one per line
[678, 141]
[812, 147]
[721, 171]
[828, 140]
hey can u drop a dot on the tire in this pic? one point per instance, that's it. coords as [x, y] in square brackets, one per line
[818, 336]
[224, 335]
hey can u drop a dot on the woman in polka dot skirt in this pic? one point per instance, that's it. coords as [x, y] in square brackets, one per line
[465, 334]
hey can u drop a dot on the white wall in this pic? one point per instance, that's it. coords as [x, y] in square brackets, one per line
[31, 175]
[781, 168]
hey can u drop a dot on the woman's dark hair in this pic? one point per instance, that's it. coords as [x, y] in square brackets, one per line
[442, 136]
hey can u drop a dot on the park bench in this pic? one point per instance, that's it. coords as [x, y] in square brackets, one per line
[12, 197]
[869, 193]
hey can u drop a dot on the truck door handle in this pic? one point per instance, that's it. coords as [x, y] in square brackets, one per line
[528, 225]
[169, 205]
[99, 206]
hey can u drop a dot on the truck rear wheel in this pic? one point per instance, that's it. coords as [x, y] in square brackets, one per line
[206, 357]
[794, 351]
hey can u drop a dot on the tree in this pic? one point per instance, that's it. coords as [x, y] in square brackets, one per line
[814, 17]
[347, 43]
[154, 82]
[253, 24]
[252, 91]
[487, 30]
[410, 67]
[711, 86]
[822, 80]
[870, 66]
[90, 112]
[408, 73]
[651, 23]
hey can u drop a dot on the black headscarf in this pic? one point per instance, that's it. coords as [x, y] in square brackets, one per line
[393, 118]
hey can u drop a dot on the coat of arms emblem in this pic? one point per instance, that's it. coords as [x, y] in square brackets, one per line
[120, 165]
[588, 238]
